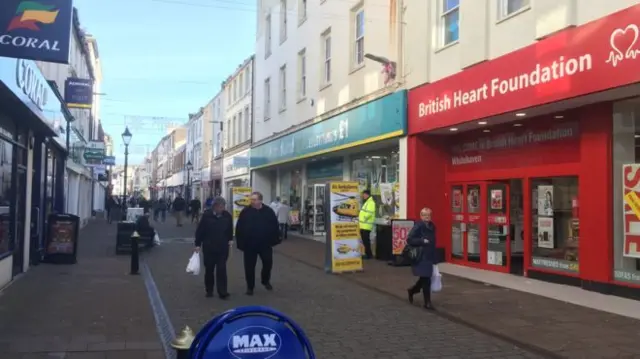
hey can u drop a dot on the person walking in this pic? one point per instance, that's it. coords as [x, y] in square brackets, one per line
[162, 207]
[179, 206]
[283, 218]
[257, 232]
[423, 235]
[366, 219]
[215, 235]
[195, 206]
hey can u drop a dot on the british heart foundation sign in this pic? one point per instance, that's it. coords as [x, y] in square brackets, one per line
[596, 56]
[631, 193]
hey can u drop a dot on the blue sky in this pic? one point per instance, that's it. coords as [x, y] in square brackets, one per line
[163, 58]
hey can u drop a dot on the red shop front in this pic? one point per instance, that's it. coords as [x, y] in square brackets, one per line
[514, 155]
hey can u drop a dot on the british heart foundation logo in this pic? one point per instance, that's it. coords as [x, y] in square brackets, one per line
[30, 14]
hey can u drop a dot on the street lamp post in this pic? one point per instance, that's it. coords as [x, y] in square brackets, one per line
[126, 139]
[189, 168]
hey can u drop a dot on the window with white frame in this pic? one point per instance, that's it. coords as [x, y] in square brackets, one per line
[235, 89]
[283, 21]
[267, 37]
[508, 7]
[450, 21]
[229, 94]
[267, 99]
[283, 87]
[302, 73]
[239, 129]
[247, 79]
[232, 131]
[302, 11]
[326, 52]
[240, 85]
[358, 44]
[247, 123]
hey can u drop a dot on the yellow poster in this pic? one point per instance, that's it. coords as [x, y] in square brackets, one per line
[241, 198]
[345, 234]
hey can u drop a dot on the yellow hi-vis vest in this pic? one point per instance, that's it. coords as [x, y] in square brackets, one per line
[367, 214]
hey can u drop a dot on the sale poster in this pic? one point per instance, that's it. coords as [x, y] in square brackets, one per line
[400, 231]
[345, 243]
[631, 209]
[545, 232]
[496, 199]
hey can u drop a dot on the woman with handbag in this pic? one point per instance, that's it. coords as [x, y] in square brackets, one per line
[422, 242]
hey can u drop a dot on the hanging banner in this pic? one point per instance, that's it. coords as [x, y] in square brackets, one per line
[343, 240]
[631, 209]
[241, 199]
[36, 30]
[78, 93]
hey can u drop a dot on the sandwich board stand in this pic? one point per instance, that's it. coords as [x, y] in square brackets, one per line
[61, 245]
[252, 332]
[343, 246]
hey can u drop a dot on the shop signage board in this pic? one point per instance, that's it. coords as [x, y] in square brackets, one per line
[24, 79]
[78, 93]
[241, 199]
[374, 121]
[343, 244]
[252, 332]
[109, 160]
[555, 264]
[232, 167]
[36, 30]
[216, 169]
[594, 57]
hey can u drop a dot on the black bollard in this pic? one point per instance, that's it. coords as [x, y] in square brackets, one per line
[182, 343]
[135, 254]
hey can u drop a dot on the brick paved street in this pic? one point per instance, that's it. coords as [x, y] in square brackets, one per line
[343, 319]
[564, 329]
[91, 310]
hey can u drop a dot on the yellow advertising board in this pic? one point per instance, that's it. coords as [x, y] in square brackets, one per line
[241, 197]
[344, 242]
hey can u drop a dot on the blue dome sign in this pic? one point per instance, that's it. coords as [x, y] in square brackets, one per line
[251, 333]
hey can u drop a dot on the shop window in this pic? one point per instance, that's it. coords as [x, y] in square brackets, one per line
[555, 224]
[379, 172]
[6, 198]
[626, 192]
[291, 188]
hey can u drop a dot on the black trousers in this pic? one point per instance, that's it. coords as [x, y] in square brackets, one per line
[215, 272]
[284, 228]
[366, 241]
[250, 262]
[423, 284]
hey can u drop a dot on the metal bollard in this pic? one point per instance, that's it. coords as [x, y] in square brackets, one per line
[135, 255]
[182, 343]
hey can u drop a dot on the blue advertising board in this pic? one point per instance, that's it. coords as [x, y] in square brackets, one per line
[36, 30]
[253, 332]
[374, 121]
[109, 160]
[78, 93]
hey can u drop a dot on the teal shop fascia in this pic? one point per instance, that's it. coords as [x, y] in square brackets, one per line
[373, 121]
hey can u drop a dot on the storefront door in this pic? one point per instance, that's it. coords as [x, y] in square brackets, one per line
[480, 225]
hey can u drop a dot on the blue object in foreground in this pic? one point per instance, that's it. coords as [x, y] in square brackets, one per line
[253, 332]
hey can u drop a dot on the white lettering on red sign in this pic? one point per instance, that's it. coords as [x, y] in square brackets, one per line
[498, 86]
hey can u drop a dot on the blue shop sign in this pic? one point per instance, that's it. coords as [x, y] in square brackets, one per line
[374, 121]
[24, 79]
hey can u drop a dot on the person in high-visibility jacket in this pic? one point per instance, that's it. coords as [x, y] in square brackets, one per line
[366, 220]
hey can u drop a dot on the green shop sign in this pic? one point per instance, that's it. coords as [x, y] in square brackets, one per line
[374, 121]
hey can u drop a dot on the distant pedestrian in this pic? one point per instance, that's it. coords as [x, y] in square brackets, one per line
[179, 206]
[215, 235]
[195, 206]
[162, 207]
[275, 204]
[257, 232]
[208, 204]
[283, 218]
[423, 235]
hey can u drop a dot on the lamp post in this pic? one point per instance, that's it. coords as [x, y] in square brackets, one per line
[189, 168]
[126, 139]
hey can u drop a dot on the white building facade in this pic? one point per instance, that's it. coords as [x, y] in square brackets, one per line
[195, 134]
[323, 111]
[238, 93]
[218, 120]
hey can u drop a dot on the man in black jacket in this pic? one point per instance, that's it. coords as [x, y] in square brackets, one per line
[257, 231]
[214, 234]
[179, 206]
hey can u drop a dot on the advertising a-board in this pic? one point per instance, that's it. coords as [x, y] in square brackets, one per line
[241, 200]
[344, 254]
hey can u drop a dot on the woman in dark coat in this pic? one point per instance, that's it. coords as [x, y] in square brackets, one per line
[423, 234]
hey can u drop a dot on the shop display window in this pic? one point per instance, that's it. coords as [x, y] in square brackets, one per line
[291, 188]
[380, 172]
[626, 192]
[555, 224]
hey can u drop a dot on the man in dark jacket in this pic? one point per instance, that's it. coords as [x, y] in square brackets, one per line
[195, 207]
[257, 231]
[179, 206]
[214, 234]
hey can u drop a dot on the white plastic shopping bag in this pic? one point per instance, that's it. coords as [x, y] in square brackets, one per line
[156, 239]
[436, 280]
[194, 264]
